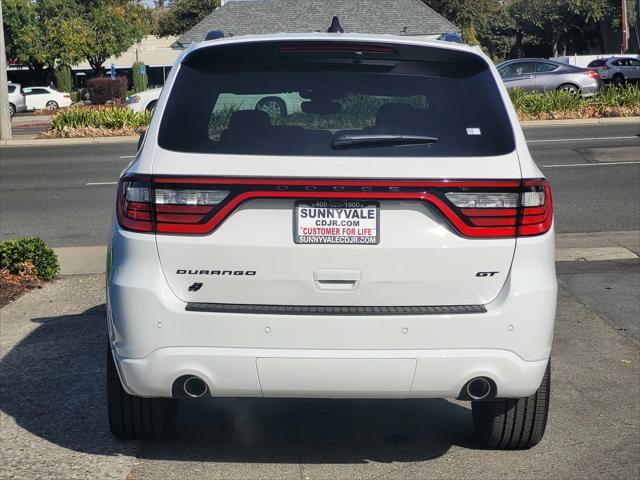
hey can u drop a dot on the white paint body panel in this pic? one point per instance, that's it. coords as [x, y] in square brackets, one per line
[419, 261]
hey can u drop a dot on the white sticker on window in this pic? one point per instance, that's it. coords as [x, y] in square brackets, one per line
[473, 131]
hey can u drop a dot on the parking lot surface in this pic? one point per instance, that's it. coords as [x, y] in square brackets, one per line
[53, 423]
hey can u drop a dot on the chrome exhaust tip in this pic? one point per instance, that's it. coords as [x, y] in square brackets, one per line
[478, 388]
[194, 387]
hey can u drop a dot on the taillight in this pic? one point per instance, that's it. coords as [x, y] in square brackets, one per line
[198, 205]
[523, 213]
[144, 208]
[536, 208]
[593, 74]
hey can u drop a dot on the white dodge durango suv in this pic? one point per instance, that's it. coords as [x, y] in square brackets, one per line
[391, 239]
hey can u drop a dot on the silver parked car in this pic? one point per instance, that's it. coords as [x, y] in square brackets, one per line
[17, 102]
[538, 75]
[617, 69]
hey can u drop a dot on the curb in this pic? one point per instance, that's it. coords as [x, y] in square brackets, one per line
[44, 142]
[581, 121]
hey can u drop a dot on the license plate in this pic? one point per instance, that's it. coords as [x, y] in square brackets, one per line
[336, 222]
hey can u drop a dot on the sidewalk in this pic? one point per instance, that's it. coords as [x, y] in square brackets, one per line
[569, 248]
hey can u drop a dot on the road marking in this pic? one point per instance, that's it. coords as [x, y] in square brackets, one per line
[127, 156]
[549, 140]
[589, 164]
[90, 184]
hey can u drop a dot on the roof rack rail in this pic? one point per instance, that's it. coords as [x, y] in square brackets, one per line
[214, 35]
[335, 26]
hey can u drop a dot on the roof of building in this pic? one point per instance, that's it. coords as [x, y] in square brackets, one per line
[250, 17]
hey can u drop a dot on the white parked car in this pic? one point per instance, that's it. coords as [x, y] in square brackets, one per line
[392, 239]
[281, 104]
[39, 98]
[16, 99]
[141, 101]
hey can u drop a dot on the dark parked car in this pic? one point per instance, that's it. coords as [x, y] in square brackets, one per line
[538, 75]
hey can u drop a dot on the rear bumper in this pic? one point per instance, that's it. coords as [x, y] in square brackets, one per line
[155, 339]
[330, 373]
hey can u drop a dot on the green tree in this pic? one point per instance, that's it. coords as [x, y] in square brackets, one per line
[184, 14]
[140, 81]
[43, 33]
[551, 20]
[113, 26]
[63, 78]
[482, 22]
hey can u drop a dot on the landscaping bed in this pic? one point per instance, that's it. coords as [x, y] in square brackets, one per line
[609, 102]
[25, 263]
[107, 121]
[96, 121]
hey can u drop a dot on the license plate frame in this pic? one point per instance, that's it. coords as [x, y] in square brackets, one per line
[359, 234]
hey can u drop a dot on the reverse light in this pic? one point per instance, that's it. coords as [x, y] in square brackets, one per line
[483, 200]
[190, 197]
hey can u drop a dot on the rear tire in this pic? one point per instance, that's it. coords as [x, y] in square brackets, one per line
[274, 106]
[569, 88]
[52, 105]
[513, 424]
[137, 418]
[12, 110]
[618, 79]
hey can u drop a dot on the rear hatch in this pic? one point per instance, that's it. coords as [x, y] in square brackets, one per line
[389, 178]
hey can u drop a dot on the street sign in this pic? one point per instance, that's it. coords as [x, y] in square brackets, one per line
[113, 71]
[142, 70]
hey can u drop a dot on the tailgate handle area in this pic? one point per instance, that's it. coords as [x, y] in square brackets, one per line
[336, 279]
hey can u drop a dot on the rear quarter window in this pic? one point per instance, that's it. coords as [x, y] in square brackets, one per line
[276, 98]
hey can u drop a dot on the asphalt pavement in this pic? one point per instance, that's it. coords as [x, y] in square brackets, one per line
[53, 423]
[65, 194]
[52, 348]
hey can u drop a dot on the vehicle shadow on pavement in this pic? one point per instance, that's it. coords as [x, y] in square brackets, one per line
[53, 386]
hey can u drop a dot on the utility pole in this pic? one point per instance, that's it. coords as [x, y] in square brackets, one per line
[5, 119]
[624, 45]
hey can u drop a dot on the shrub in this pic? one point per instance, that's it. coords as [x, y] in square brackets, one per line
[109, 118]
[100, 89]
[63, 79]
[140, 81]
[22, 255]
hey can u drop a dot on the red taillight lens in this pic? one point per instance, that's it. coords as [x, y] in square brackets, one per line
[198, 205]
[523, 212]
[145, 206]
[593, 74]
[537, 209]
[133, 205]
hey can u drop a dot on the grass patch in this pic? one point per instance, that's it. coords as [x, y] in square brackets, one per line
[85, 121]
[609, 102]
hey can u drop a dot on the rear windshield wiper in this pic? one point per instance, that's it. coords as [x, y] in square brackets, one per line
[345, 140]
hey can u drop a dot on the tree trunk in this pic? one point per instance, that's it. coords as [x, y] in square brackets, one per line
[555, 42]
[516, 49]
[96, 63]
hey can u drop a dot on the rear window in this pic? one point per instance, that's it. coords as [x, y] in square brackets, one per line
[597, 63]
[337, 99]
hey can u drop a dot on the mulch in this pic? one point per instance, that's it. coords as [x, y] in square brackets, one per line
[13, 285]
